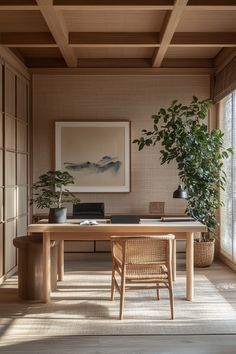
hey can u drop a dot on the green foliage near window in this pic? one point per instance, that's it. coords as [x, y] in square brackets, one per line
[199, 154]
[49, 191]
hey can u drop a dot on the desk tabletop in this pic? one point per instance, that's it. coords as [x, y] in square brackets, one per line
[106, 227]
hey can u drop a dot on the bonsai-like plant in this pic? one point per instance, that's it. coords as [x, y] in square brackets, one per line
[50, 192]
[199, 155]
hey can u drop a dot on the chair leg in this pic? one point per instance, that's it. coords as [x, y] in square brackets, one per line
[158, 293]
[174, 260]
[113, 281]
[122, 294]
[171, 300]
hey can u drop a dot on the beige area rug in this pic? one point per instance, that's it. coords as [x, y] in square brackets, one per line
[82, 306]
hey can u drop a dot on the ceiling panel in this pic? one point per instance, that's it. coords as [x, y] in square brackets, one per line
[40, 52]
[114, 21]
[207, 21]
[206, 53]
[22, 21]
[114, 52]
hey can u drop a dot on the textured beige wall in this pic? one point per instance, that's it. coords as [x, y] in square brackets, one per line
[133, 98]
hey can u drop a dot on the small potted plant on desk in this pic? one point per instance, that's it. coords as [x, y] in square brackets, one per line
[49, 192]
[199, 154]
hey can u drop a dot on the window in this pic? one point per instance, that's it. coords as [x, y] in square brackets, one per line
[228, 211]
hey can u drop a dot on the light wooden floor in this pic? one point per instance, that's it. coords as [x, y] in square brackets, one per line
[221, 276]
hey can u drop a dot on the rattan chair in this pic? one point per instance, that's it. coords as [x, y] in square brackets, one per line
[145, 260]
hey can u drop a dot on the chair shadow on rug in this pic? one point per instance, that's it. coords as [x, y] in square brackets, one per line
[143, 260]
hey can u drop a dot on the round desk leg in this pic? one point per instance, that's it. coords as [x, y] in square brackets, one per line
[46, 267]
[60, 260]
[189, 266]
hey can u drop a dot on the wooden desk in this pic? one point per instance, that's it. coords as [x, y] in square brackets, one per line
[102, 232]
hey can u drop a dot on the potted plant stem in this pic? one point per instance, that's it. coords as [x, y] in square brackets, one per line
[199, 154]
[49, 192]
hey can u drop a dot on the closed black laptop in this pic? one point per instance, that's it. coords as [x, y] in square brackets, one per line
[88, 211]
[125, 219]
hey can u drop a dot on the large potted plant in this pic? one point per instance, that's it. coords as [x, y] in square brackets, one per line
[50, 192]
[199, 154]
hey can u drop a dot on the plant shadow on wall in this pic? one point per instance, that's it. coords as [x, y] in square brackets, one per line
[199, 154]
[50, 192]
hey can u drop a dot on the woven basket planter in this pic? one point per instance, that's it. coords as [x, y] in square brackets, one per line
[204, 253]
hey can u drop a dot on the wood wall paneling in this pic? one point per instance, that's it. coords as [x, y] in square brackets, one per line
[10, 92]
[22, 200]
[1, 209]
[1, 87]
[10, 251]
[22, 169]
[10, 203]
[22, 99]
[10, 168]
[21, 137]
[10, 136]
[13, 160]
[1, 168]
[22, 222]
[1, 129]
[1, 250]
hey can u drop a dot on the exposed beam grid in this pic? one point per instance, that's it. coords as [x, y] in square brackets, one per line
[203, 39]
[168, 30]
[119, 5]
[58, 29]
[211, 5]
[114, 4]
[124, 71]
[27, 39]
[114, 39]
[119, 39]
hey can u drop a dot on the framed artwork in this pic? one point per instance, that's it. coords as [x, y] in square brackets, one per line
[96, 154]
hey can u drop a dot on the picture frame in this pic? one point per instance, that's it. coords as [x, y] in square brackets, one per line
[95, 153]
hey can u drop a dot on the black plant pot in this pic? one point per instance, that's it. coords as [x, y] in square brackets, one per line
[57, 215]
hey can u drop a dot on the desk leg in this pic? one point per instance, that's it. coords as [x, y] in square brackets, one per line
[46, 267]
[174, 260]
[60, 260]
[189, 267]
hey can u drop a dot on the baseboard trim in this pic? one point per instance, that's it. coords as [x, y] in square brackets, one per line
[227, 261]
[8, 275]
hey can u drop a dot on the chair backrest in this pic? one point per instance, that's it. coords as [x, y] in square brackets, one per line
[125, 219]
[88, 211]
[143, 249]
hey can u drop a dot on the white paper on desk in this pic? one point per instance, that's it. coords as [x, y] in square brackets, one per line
[88, 222]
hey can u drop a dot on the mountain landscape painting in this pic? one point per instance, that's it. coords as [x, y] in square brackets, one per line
[97, 154]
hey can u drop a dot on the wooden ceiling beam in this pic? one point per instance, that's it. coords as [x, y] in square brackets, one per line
[187, 63]
[119, 5]
[119, 39]
[211, 5]
[114, 4]
[124, 71]
[18, 5]
[45, 63]
[114, 39]
[224, 57]
[58, 30]
[27, 39]
[168, 28]
[203, 39]
[120, 63]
